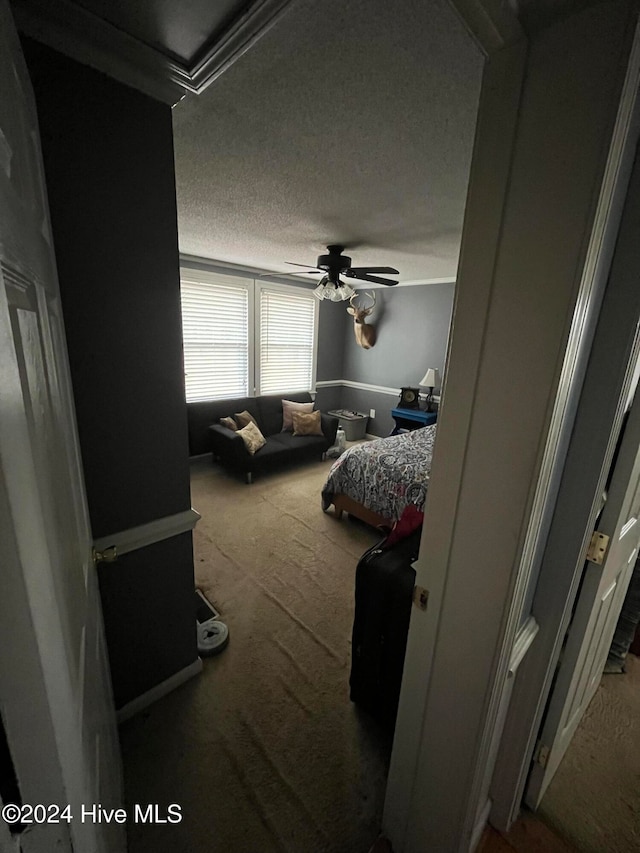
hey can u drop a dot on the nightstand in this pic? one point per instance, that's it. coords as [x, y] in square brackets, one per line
[408, 419]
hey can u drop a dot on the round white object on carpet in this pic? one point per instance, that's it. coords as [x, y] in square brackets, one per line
[213, 636]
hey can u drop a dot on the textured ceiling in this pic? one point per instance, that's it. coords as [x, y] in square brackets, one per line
[347, 123]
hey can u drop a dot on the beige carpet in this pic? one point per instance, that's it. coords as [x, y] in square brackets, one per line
[264, 751]
[594, 798]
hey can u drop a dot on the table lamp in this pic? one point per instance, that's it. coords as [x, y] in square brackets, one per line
[430, 380]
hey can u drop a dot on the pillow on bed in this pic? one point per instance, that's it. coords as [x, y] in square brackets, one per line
[288, 408]
[307, 423]
[229, 423]
[244, 418]
[252, 437]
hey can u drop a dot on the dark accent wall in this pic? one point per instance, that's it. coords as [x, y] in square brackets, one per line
[108, 156]
[412, 332]
[333, 323]
[148, 607]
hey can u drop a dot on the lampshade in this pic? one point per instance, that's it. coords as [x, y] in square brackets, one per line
[320, 290]
[345, 291]
[431, 379]
[336, 292]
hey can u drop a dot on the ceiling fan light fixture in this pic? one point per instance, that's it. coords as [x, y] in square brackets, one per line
[333, 291]
[320, 292]
[335, 264]
[345, 291]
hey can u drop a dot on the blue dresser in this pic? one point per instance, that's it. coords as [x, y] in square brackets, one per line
[408, 419]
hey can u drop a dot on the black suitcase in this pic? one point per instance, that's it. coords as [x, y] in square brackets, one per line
[385, 580]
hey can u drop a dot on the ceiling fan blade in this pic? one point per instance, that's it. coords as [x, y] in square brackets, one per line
[373, 278]
[308, 266]
[272, 273]
[389, 270]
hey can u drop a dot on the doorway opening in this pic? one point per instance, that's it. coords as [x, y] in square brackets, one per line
[270, 718]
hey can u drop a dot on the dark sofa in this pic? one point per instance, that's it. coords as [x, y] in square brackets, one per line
[207, 434]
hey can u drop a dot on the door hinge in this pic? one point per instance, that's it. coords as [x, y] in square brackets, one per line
[541, 755]
[597, 548]
[420, 597]
[109, 555]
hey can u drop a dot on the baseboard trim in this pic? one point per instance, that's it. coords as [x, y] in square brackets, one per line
[167, 686]
[148, 534]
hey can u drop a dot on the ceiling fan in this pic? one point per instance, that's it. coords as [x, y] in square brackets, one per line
[336, 264]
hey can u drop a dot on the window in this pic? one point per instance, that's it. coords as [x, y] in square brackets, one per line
[215, 328]
[220, 359]
[287, 340]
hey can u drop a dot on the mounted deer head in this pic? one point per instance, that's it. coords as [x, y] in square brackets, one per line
[365, 335]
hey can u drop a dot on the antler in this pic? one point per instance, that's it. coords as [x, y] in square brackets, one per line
[371, 296]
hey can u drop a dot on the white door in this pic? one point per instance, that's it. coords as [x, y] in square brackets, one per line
[55, 695]
[596, 612]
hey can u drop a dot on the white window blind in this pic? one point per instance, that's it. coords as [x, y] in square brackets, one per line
[215, 322]
[286, 340]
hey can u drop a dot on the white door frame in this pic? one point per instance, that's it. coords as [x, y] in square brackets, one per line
[593, 442]
[477, 568]
[499, 36]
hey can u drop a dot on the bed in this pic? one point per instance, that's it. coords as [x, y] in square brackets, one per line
[377, 479]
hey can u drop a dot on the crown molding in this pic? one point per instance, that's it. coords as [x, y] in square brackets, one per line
[493, 24]
[246, 30]
[91, 40]
[224, 267]
[450, 279]
[228, 268]
[88, 39]
[193, 262]
[357, 284]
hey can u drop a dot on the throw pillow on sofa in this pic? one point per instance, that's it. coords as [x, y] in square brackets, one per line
[229, 423]
[307, 423]
[252, 437]
[288, 408]
[244, 418]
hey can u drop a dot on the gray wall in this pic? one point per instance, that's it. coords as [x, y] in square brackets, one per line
[413, 327]
[108, 157]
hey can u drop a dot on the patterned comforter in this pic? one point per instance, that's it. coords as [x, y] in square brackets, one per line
[386, 474]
